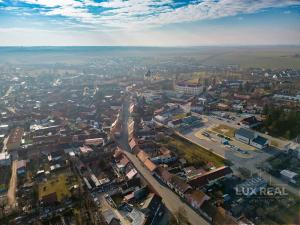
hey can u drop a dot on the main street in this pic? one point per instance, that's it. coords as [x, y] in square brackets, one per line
[170, 199]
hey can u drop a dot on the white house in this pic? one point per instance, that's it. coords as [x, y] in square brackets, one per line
[5, 159]
[288, 175]
[251, 138]
[184, 87]
[259, 142]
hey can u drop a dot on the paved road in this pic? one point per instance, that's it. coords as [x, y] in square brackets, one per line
[170, 199]
[8, 92]
[11, 193]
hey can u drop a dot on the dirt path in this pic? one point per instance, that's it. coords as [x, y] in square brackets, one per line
[11, 194]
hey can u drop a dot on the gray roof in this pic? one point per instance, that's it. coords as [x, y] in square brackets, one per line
[108, 215]
[260, 140]
[138, 218]
[253, 182]
[245, 133]
[288, 173]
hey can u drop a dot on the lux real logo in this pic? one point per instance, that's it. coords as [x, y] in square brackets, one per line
[268, 191]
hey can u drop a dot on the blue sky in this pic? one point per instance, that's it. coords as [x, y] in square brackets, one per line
[149, 22]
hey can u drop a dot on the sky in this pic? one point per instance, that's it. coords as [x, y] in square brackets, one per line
[149, 22]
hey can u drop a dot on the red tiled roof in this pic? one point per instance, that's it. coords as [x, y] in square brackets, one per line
[118, 153]
[204, 179]
[150, 165]
[131, 174]
[21, 163]
[132, 143]
[93, 141]
[143, 156]
[196, 198]
[15, 136]
[124, 161]
[85, 149]
[164, 151]
[164, 174]
[180, 184]
[128, 197]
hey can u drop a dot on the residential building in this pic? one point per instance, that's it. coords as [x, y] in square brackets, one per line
[196, 199]
[250, 122]
[164, 159]
[289, 176]
[251, 137]
[259, 142]
[21, 167]
[5, 159]
[210, 177]
[244, 135]
[187, 88]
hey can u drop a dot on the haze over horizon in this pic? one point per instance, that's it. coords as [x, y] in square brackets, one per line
[149, 23]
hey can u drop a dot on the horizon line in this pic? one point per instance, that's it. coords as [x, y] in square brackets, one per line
[151, 46]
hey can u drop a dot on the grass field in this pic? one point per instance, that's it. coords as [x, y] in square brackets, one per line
[56, 185]
[194, 154]
[274, 143]
[224, 130]
[180, 116]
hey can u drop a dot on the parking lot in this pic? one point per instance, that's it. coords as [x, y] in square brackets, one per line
[240, 154]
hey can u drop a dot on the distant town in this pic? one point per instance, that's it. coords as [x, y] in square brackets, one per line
[151, 145]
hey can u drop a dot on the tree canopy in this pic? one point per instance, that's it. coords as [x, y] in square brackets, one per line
[280, 122]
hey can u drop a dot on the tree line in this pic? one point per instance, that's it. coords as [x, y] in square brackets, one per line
[281, 122]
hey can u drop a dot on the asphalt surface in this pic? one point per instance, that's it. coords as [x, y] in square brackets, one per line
[255, 156]
[212, 120]
[11, 193]
[170, 199]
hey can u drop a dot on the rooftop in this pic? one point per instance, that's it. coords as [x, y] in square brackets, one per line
[15, 136]
[245, 133]
[253, 182]
[260, 140]
[150, 165]
[143, 156]
[288, 173]
[205, 178]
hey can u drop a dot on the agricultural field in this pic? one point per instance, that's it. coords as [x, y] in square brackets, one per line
[274, 58]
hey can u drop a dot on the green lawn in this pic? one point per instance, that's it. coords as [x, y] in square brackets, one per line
[194, 154]
[117, 199]
[180, 116]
